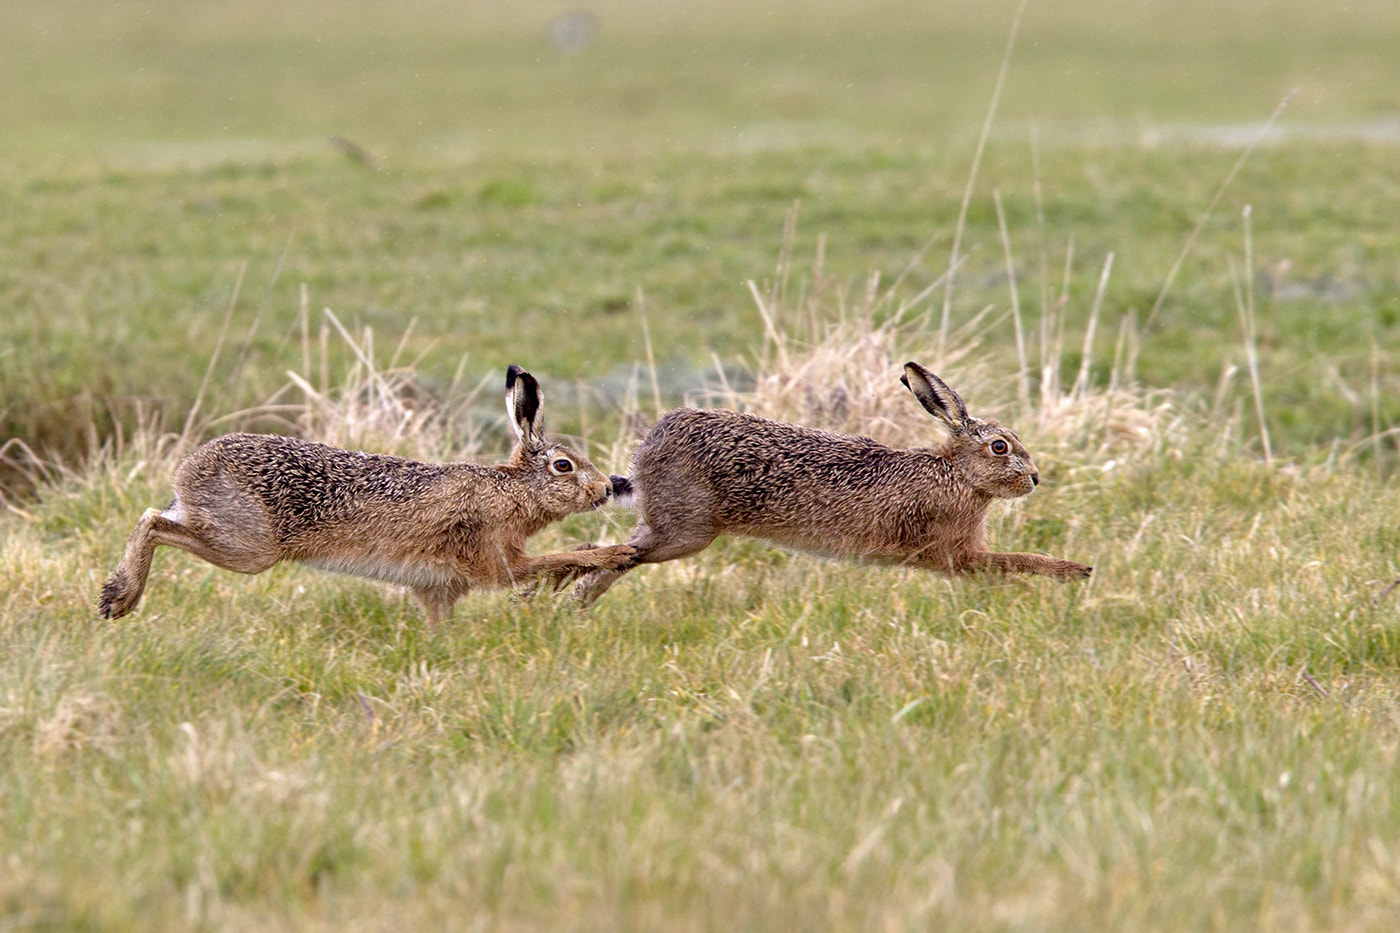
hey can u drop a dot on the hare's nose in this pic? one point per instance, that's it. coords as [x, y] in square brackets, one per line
[1035, 479]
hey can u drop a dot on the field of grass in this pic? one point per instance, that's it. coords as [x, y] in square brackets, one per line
[1205, 736]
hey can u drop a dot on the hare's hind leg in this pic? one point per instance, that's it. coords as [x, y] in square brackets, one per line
[124, 587]
[127, 582]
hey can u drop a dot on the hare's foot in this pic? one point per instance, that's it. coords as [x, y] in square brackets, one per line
[1054, 567]
[593, 585]
[119, 595]
[564, 566]
[615, 557]
[1072, 570]
[127, 582]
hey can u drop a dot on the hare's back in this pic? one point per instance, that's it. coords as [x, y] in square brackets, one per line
[303, 484]
[747, 461]
[841, 495]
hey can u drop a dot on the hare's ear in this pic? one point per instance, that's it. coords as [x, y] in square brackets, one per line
[937, 398]
[523, 406]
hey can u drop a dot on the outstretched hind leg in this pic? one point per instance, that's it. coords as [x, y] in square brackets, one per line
[124, 587]
[653, 547]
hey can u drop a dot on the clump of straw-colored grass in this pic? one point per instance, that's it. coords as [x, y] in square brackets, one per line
[832, 359]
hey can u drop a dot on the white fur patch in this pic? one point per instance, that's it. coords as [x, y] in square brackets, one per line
[404, 573]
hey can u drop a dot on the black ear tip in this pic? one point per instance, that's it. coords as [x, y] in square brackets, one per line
[514, 372]
[905, 380]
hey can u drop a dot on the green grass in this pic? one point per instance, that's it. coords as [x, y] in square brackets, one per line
[1203, 737]
[522, 195]
[745, 739]
[119, 283]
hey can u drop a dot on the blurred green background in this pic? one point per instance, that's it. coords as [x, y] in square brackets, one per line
[165, 81]
[509, 176]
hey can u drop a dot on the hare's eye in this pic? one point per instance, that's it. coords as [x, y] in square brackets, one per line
[999, 447]
[562, 465]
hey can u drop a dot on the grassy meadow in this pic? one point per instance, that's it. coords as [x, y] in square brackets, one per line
[1192, 321]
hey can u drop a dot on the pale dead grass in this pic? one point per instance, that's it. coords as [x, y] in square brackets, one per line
[832, 360]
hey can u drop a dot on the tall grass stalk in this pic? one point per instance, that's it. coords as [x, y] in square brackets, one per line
[1190, 241]
[1023, 376]
[943, 329]
[651, 356]
[1377, 434]
[1081, 380]
[1245, 307]
[193, 415]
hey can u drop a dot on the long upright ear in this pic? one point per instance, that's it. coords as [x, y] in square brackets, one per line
[523, 406]
[936, 397]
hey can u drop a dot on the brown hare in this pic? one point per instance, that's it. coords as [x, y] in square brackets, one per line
[699, 474]
[244, 502]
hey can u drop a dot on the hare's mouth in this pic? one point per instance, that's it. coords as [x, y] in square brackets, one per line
[1015, 488]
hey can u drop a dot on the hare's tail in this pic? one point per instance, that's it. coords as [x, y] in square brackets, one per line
[624, 494]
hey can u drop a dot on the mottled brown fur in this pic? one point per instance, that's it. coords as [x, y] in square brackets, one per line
[244, 502]
[699, 474]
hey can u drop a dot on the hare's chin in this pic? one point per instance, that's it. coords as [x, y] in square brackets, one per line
[1015, 490]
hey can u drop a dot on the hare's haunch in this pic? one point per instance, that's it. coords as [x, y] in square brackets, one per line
[699, 474]
[244, 502]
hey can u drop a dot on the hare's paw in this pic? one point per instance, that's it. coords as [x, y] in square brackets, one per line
[580, 562]
[116, 599]
[616, 557]
[556, 580]
[1070, 571]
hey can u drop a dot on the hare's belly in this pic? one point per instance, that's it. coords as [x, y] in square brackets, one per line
[852, 541]
[419, 572]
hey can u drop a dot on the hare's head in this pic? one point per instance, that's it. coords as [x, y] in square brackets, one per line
[991, 458]
[563, 480]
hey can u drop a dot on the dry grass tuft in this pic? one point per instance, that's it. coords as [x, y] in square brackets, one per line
[833, 362]
[374, 406]
[379, 407]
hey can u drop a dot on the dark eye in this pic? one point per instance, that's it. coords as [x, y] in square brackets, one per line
[999, 447]
[562, 465]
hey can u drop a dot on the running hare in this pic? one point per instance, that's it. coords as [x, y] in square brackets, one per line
[700, 474]
[243, 502]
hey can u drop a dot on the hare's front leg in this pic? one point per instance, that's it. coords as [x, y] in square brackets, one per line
[1041, 564]
[566, 563]
[437, 602]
